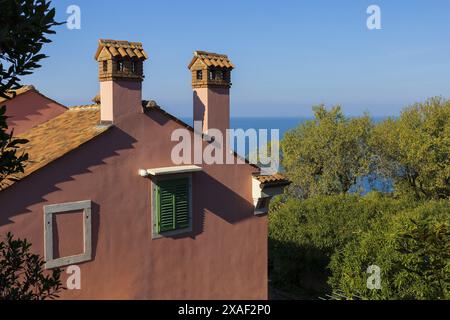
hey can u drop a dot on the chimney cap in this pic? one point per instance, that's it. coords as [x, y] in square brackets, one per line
[121, 49]
[212, 59]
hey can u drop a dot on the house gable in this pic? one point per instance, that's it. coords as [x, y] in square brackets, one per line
[29, 108]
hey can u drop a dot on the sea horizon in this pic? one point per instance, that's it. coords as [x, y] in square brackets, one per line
[283, 124]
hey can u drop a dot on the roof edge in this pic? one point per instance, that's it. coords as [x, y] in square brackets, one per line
[190, 128]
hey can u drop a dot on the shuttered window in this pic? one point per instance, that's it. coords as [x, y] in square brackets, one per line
[172, 205]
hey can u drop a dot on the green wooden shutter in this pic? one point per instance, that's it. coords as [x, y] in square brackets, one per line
[173, 204]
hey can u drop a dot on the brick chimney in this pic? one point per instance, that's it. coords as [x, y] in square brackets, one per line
[211, 82]
[121, 74]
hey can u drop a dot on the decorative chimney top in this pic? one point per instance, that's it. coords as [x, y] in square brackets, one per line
[120, 60]
[210, 70]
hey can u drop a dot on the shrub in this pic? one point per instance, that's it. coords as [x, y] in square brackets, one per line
[21, 273]
[303, 235]
[412, 248]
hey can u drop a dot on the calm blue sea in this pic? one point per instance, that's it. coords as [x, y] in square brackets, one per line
[282, 124]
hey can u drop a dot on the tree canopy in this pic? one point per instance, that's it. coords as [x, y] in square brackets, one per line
[414, 150]
[323, 236]
[328, 154]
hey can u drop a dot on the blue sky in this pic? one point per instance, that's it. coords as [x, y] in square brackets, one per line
[289, 55]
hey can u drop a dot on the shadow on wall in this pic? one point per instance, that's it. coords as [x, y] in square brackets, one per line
[216, 199]
[199, 108]
[32, 108]
[16, 199]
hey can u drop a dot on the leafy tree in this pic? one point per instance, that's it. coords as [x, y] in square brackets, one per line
[21, 273]
[412, 249]
[328, 154]
[414, 150]
[24, 26]
[320, 231]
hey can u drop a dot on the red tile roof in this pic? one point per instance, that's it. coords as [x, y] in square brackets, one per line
[277, 179]
[58, 136]
[121, 49]
[212, 59]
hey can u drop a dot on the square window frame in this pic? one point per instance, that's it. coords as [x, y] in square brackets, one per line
[154, 213]
[49, 211]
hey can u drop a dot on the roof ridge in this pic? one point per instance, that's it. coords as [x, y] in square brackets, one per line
[117, 42]
[92, 106]
[12, 93]
[198, 52]
[212, 59]
[147, 108]
[121, 49]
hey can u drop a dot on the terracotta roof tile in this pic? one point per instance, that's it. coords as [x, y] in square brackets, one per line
[125, 49]
[212, 59]
[58, 136]
[275, 179]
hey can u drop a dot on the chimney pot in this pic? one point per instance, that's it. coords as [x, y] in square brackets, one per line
[121, 74]
[211, 82]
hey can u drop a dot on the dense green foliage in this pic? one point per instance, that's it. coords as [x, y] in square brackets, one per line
[305, 234]
[412, 248]
[328, 154]
[323, 238]
[414, 150]
[21, 273]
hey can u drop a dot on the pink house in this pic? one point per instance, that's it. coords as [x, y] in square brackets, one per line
[102, 191]
[30, 108]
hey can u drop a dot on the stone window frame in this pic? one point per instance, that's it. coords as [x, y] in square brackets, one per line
[49, 211]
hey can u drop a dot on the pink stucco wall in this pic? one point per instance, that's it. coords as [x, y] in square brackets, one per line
[212, 106]
[30, 109]
[119, 98]
[225, 256]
